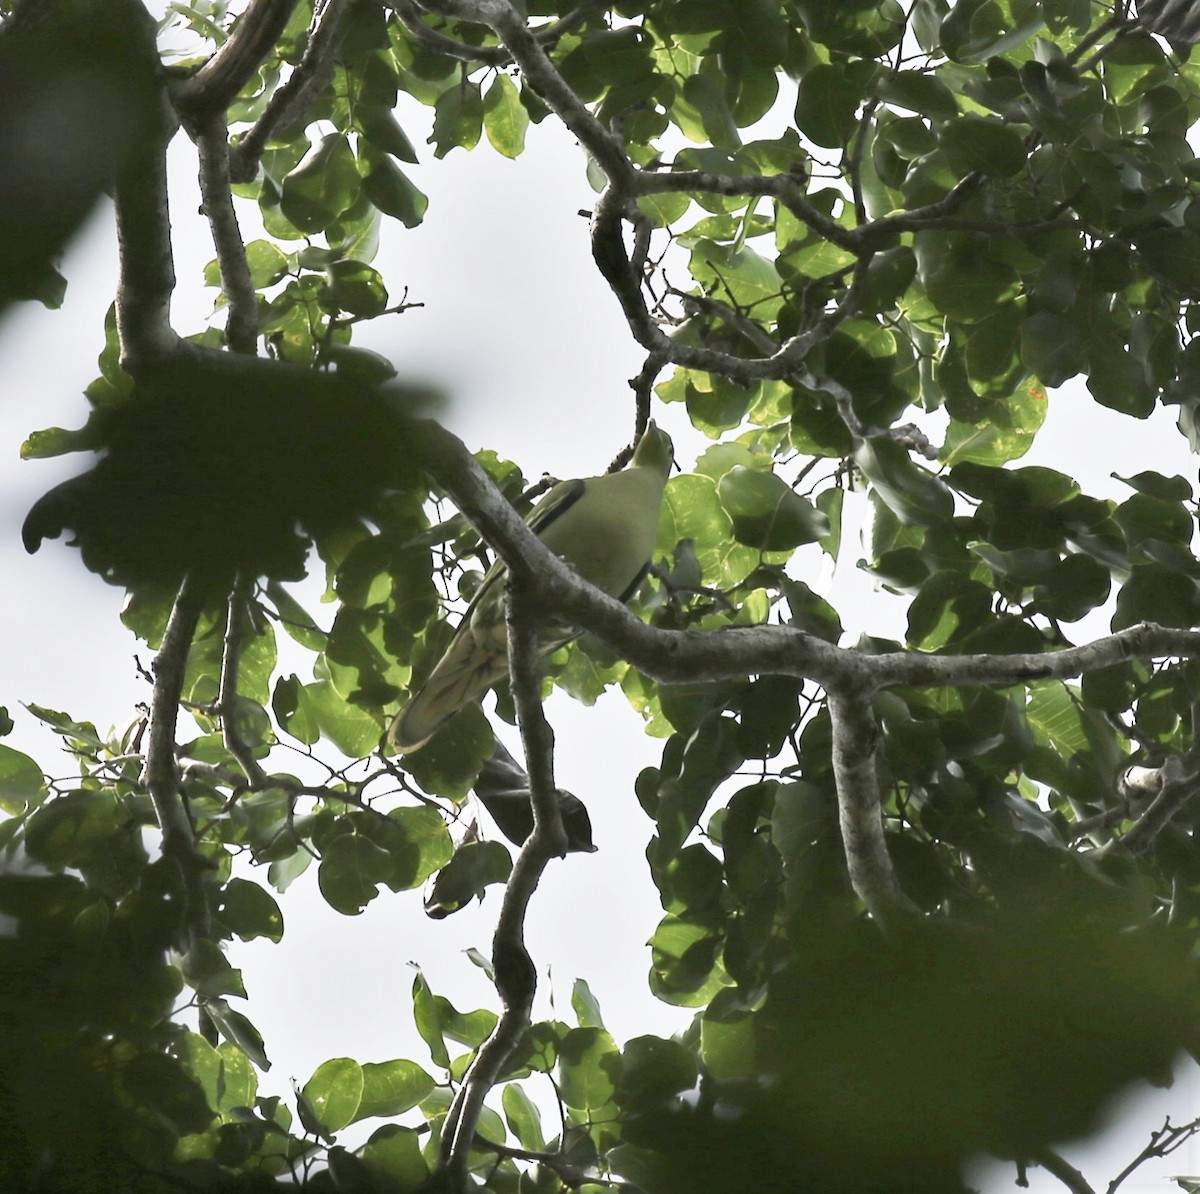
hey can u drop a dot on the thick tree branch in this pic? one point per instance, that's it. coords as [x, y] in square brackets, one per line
[293, 98]
[855, 767]
[160, 773]
[516, 975]
[216, 84]
[147, 277]
[241, 325]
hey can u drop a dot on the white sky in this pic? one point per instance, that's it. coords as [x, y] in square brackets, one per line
[522, 331]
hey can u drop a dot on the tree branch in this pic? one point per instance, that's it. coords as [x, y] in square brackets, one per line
[1062, 1169]
[160, 773]
[216, 84]
[241, 324]
[293, 98]
[236, 636]
[542, 75]
[516, 976]
[1176, 781]
[855, 769]
[147, 276]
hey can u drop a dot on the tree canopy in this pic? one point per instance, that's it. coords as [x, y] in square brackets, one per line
[927, 898]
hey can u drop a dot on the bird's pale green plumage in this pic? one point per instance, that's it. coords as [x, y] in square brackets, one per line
[604, 527]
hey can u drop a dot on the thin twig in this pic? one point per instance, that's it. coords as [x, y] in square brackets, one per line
[1062, 1169]
[237, 634]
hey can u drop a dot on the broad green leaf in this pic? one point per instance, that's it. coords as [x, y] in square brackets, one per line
[587, 1009]
[351, 729]
[588, 1065]
[975, 143]
[522, 1116]
[238, 1029]
[918, 92]
[504, 118]
[692, 510]
[249, 911]
[393, 1154]
[1005, 434]
[428, 1021]
[324, 185]
[766, 512]
[21, 780]
[913, 493]
[390, 1088]
[335, 1091]
[393, 193]
[351, 870]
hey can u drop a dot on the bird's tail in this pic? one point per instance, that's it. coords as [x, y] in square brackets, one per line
[467, 670]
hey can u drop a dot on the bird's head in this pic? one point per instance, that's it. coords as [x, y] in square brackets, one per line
[655, 450]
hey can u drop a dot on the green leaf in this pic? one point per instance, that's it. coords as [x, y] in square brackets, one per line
[652, 1070]
[458, 119]
[335, 1091]
[524, 1120]
[325, 184]
[390, 1088]
[390, 190]
[162, 1086]
[827, 104]
[1154, 593]
[393, 1154]
[474, 867]
[918, 92]
[766, 512]
[948, 607]
[976, 143]
[351, 870]
[350, 728]
[692, 510]
[267, 262]
[588, 1064]
[357, 288]
[21, 780]
[913, 493]
[249, 911]
[236, 1028]
[428, 1021]
[1005, 434]
[587, 1009]
[707, 98]
[504, 118]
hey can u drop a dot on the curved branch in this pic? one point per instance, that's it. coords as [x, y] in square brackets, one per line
[160, 773]
[855, 769]
[516, 976]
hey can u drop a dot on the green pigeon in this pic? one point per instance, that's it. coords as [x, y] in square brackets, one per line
[604, 527]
